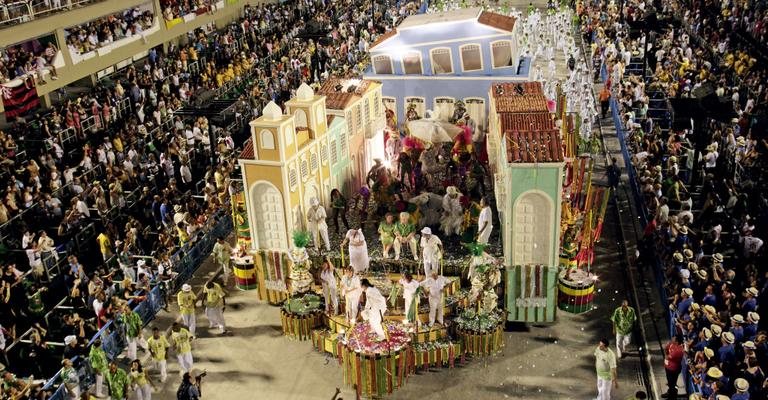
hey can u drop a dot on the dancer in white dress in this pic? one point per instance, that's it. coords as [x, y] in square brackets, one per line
[358, 250]
[375, 308]
[351, 290]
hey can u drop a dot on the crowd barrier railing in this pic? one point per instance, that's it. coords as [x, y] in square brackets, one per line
[112, 334]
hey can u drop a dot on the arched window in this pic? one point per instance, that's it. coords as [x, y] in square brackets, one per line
[382, 64]
[324, 154]
[293, 180]
[442, 63]
[412, 63]
[471, 57]
[313, 162]
[267, 139]
[502, 53]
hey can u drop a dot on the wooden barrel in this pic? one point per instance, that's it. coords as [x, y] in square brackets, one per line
[245, 273]
[576, 291]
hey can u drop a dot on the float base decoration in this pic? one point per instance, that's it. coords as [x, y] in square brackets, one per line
[374, 367]
[481, 334]
[436, 354]
[300, 315]
[325, 342]
[576, 291]
[271, 275]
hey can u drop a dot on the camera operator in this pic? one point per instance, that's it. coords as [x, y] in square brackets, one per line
[191, 386]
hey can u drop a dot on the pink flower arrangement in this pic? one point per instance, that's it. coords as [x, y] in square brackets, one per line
[362, 339]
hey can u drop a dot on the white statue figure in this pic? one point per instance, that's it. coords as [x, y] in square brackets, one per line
[431, 251]
[358, 250]
[316, 223]
[450, 222]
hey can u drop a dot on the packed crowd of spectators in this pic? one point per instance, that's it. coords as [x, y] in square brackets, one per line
[30, 61]
[105, 30]
[173, 9]
[125, 176]
[707, 215]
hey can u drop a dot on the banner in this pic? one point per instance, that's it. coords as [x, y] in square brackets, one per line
[20, 99]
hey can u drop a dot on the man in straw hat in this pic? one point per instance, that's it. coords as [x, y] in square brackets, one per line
[750, 327]
[186, 300]
[742, 386]
[431, 250]
[750, 302]
[727, 353]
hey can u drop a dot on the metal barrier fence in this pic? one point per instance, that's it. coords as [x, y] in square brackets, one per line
[112, 335]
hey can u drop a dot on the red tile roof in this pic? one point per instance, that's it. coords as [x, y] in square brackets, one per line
[498, 21]
[526, 123]
[534, 146]
[338, 100]
[388, 34]
[248, 153]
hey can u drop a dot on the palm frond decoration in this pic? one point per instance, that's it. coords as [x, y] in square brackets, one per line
[300, 239]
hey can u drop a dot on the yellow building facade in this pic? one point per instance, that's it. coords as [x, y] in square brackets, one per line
[284, 165]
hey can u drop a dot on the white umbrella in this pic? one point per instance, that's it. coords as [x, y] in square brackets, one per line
[432, 130]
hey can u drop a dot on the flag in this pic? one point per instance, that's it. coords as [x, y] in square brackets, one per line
[19, 100]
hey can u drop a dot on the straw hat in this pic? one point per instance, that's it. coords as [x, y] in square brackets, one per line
[752, 291]
[677, 256]
[693, 266]
[709, 309]
[696, 396]
[177, 208]
[750, 345]
[722, 397]
[741, 384]
[737, 318]
[707, 333]
[753, 317]
[695, 306]
[717, 257]
[688, 253]
[688, 292]
[702, 274]
[709, 353]
[728, 337]
[716, 330]
[714, 373]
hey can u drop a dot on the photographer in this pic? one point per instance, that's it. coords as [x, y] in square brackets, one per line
[190, 388]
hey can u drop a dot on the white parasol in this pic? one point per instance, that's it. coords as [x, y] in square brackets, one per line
[432, 130]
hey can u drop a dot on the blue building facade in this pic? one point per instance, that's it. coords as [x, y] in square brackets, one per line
[434, 60]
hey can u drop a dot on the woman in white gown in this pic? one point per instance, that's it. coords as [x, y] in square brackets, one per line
[351, 290]
[358, 250]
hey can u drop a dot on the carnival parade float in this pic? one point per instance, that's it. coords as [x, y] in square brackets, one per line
[448, 223]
